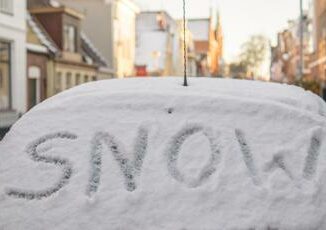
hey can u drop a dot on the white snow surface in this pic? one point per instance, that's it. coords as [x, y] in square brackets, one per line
[152, 154]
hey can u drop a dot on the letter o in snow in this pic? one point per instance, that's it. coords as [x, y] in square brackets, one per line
[175, 148]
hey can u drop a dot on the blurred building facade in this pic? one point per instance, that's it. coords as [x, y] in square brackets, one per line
[208, 38]
[111, 25]
[157, 44]
[318, 64]
[41, 51]
[59, 54]
[285, 56]
[190, 52]
[12, 61]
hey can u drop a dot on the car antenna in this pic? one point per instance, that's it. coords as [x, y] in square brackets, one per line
[185, 80]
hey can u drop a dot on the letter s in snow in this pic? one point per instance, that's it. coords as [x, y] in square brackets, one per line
[57, 161]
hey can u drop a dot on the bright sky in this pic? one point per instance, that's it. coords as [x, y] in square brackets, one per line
[240, 18]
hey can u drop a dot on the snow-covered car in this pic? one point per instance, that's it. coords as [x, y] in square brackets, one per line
[152, 154]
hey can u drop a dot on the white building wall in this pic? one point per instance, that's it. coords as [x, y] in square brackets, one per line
[110, 25]
[157, 48]
[200, 29]
[13, 30]
[97, 24]
[124, 37]
[146, 49]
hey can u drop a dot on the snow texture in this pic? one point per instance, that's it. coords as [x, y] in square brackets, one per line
[152, 154]
[128, 170]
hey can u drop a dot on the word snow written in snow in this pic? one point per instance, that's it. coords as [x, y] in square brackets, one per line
[131, 169]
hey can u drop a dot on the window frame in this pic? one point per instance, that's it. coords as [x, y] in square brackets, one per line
[68, 80]
[66, 39]
[10, 7]
[78, 78]
[37, 78]
[9, 64]
[58, 82]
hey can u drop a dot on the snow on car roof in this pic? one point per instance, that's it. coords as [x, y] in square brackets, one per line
[152, 154]
[287, 95]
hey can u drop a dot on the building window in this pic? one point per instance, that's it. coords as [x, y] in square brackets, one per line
[58, 83]
[5, 76]
[34, 86]
[78, 79]
[6, 6]
[86, 78]
[68, 80]
[94, 78]
[70, 38]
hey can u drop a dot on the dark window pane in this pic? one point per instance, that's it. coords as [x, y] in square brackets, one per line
[58, 82]
[5, 92]
[32, 96]
[78, 79]
[68, 80]
[4, 51]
